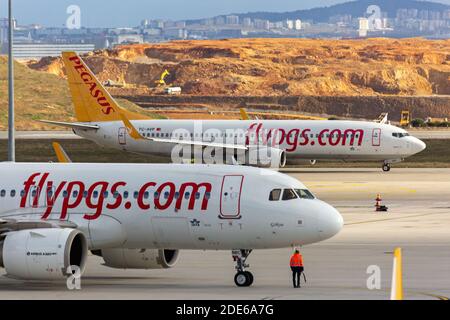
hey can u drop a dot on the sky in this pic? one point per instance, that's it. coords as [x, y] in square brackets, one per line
[117, 13]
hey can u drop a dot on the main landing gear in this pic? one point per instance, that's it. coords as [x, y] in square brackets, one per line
[386, 167]
[242, 278]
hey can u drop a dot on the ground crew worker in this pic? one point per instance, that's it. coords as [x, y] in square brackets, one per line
[297, 268]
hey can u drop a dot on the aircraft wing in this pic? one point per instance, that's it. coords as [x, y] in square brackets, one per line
[72, 125]
[137, 136]
[61, 153]
[13, 224]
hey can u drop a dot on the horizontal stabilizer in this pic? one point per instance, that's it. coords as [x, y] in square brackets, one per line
[72, 125]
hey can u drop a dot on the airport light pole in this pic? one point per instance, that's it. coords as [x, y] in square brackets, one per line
[11, 138]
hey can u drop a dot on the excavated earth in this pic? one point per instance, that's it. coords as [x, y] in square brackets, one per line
[341, 77]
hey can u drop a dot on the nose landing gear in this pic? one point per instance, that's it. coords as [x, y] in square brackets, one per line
[242, 278]
[386, 167]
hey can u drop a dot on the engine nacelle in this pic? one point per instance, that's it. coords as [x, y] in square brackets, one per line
[43, 254]
[265, 157]
[140, 258]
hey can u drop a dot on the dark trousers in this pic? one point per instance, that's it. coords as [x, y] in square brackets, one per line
[296, 273]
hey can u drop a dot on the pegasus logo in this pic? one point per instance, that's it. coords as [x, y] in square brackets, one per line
[95, 91]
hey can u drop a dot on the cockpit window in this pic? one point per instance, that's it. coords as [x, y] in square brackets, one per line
[400, 134]
[289, 194]
[275, 195]
[304, 194]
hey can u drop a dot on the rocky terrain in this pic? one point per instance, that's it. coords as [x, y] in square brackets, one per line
[277, 67]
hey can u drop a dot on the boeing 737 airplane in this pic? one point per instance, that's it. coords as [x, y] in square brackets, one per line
[138, 216]
[260, 142]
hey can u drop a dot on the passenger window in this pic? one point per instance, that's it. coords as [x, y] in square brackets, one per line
[275, 195]
[2, 193]
[289, 194]
[13, 193]
[304, 194]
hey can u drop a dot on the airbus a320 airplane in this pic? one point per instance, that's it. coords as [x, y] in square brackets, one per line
[138, 216]
[273, 142]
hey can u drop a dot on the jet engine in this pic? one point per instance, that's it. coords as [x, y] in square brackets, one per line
[265, 157]
[43, 254]
[139, 258]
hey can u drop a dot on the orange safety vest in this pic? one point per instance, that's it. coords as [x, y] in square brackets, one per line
[296, 260]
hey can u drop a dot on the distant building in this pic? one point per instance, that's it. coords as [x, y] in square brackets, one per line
[152, 32]
[247, 22]
[37, 51]
[4, 25]
[219, 21]
[129, 38]
[298, 24]
[363, 27]
[262, 24]
[175, 33]
[232, 20]
[289, 24]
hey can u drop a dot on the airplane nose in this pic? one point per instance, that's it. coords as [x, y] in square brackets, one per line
[330, 222]
[418, 145]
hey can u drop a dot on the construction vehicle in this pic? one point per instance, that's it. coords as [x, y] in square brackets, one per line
[173, 90]
[405, 118]
[112, 83]
[162, 81]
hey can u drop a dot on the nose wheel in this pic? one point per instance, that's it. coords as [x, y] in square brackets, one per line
[242, 278]
[386, 167]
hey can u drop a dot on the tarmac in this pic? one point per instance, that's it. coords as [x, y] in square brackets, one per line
[418, 221]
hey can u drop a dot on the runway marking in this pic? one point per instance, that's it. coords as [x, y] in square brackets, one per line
[393, 218]
[439, 297]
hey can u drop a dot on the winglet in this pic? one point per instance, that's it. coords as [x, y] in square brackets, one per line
[60, 153]
[244, 114]
[397, 278]
[131, 129]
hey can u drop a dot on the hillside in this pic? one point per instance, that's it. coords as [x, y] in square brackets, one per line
[277, 67]
[354, 8]
[38, 95]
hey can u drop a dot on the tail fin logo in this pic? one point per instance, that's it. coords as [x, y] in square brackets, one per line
[94, 89]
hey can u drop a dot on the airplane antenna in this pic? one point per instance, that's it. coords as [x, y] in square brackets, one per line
[11, 139]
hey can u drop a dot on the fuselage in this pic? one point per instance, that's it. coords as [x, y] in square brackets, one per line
[300, 139]
[168, 206]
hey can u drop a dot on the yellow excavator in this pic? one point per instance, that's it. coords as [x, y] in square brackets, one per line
[405, 118]
[162, 81]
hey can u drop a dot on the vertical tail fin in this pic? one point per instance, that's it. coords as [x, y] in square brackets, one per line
[92, 101]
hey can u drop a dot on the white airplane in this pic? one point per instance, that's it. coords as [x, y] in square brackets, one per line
[138, 216]
[260, 142]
